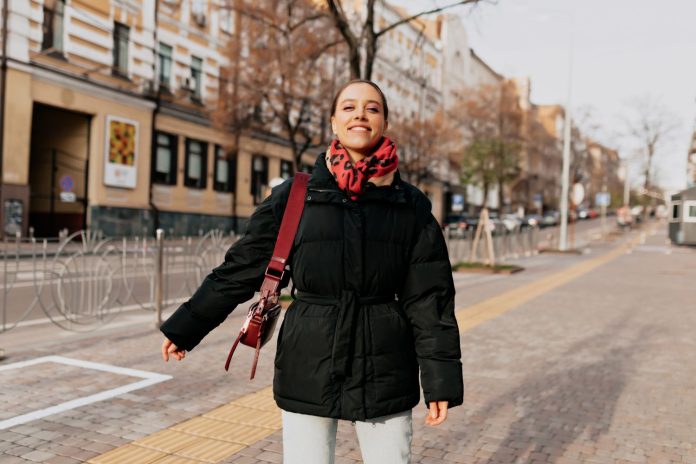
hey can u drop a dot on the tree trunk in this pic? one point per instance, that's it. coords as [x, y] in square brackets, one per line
[484, 201]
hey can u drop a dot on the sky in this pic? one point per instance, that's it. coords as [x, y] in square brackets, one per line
[622, 50]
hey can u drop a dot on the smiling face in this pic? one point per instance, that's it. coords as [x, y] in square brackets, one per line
[359, 120]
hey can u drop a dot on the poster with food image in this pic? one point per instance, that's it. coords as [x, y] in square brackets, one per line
[120, 169]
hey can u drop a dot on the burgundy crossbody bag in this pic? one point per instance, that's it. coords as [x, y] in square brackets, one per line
[263, 315]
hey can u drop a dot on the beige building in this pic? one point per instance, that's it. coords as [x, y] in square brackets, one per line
[603, 174]
[107, 120]
[691, 163]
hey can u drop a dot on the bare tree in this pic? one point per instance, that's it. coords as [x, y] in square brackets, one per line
[362, 45]
[280, 71]
[649, 124]
[424, 145]
[492, 120]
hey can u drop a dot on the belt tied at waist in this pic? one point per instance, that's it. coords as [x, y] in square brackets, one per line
[344, 335]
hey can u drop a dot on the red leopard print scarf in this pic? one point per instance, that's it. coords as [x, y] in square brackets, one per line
[352, 177]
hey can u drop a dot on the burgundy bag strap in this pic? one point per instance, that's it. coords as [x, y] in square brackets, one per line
[234, 347]
[281, 252]
[286, 235]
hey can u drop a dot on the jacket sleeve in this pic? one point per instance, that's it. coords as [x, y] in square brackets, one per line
[427, 298]
[234, 281]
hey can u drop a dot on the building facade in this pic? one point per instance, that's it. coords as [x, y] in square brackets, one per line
[691, 163]
[107, 120]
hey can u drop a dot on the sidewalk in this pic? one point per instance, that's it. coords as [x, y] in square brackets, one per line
[597, 369]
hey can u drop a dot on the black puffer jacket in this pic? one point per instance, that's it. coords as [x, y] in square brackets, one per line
[375, 300]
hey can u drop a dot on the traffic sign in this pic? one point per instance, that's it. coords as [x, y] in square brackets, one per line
[68, 197]
[578, 193]
[66, 183]
[602, 199]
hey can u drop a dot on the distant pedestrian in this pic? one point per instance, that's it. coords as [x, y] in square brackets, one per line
[375, 297]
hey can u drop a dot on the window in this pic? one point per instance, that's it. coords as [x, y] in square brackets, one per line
[198, 7]
[165, 65]
[197, 75]
[120, 63]
[692, 212]
[196, 164]
[164, 161]
[259, 177]
[226, 20]
[225, 170]
[52, 27]
[285, 169]
[676, 211]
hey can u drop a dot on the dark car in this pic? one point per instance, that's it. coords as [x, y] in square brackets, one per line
[458, 224]
[550, 219]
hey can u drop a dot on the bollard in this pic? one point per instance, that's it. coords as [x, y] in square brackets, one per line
[159, 277]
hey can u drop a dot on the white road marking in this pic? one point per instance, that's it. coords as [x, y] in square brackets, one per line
[149, 378]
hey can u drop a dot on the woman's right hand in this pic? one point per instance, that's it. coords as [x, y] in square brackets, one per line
[170, 348]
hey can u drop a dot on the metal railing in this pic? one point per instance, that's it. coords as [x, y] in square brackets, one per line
[510, 244]
[83, 280]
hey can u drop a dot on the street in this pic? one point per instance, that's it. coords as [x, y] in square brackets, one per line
[579, 359]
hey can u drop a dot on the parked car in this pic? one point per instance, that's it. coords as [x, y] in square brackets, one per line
[531, 220]
[550, 218]
[511, 222]
[458, 224]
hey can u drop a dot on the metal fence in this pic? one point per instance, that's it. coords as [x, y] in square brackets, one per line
[83, 280]
[514, 244]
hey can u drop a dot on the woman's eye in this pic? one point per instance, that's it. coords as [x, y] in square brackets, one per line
[347, 108]
[373, 109]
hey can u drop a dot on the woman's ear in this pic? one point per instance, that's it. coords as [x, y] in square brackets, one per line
[333, 125]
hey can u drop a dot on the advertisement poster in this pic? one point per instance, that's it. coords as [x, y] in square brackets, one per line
[120, 169]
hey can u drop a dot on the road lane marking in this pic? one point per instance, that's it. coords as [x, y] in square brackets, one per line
[222, 432]
[149, 378]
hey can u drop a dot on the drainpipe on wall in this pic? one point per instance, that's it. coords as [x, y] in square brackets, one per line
[3, 76]
[153, 140]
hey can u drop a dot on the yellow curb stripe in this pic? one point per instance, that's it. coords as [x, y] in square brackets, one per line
[208, 438]
[223, 431]
[474, 315]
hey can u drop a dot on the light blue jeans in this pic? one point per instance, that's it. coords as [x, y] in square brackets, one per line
[312, 439]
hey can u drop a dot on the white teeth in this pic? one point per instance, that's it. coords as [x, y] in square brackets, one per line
[364, 129]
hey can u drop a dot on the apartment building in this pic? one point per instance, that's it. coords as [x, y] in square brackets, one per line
[107, 120]
[691, 163]
[603, 174]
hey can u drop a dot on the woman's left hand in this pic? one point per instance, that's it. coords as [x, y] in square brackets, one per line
[437, 413]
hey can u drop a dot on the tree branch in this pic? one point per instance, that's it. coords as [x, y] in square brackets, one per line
[424, 13]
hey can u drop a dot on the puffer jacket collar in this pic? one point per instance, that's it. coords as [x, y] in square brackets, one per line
[322, 187]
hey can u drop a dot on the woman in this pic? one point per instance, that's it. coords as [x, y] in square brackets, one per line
[375, 297]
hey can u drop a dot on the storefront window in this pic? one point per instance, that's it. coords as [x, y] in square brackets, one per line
[285, 169]
[259, 177]
[225, 170]
[164, 169]
[196, 162]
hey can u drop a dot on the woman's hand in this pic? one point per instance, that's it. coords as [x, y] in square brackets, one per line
[437, 413]
[170, 348]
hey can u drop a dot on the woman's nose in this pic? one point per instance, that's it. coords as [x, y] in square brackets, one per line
[360, 114]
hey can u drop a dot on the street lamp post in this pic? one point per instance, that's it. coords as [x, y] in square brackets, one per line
[565, 174]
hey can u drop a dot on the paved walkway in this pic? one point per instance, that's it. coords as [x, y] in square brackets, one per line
[579, 359]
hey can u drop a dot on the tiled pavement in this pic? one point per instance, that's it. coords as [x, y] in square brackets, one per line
[596, 370]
